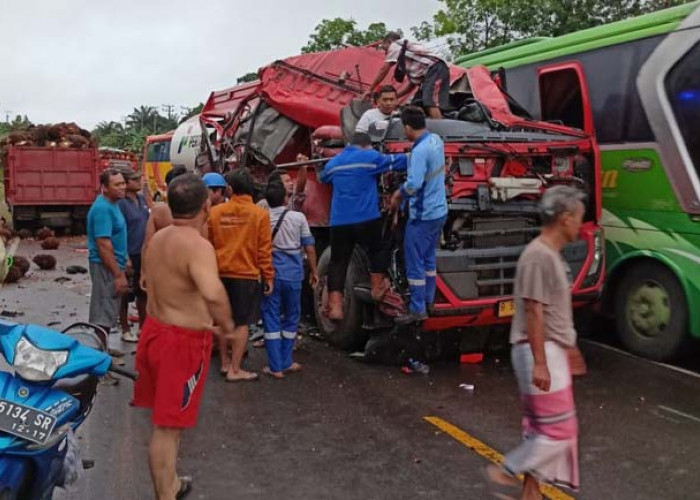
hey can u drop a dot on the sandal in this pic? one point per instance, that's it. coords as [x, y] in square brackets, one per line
[294, 368]
[185, 487]
[276, 375]
[500, 490]
[253, 377]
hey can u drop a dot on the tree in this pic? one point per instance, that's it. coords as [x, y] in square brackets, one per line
[248, 77]
[473, 25]
[332, 34]
[143, 116]
[192, 112]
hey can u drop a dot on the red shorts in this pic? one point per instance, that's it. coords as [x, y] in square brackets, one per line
[172, 363]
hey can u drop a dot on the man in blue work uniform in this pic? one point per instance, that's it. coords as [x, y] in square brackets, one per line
[355, 217]
[425, 190]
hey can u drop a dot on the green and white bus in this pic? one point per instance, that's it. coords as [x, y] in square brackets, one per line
[635, 84]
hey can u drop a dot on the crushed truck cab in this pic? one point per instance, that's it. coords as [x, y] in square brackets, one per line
[498, 162]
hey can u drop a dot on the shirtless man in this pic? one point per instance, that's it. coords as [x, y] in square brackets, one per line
[160, 214]
[186, 303]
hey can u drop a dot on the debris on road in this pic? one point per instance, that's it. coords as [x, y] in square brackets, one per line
[44, 233]
[76, 270]
[467, 387]
[6, 313]
[22, 263]
[50, 243]
[45, 262]
[24, 234]
[62, 279]
[415, 366]
[473, 358]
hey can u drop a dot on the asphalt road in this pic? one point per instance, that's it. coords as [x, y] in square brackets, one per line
[346, 430]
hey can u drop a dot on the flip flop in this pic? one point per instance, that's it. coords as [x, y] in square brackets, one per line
[253, 378]
[295, 368]
[269, 373]
[498, 490]
[185, 487]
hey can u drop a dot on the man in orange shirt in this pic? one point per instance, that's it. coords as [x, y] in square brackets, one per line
[241, 235]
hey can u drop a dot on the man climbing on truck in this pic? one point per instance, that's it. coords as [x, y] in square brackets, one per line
[424, 69]
[355, 217]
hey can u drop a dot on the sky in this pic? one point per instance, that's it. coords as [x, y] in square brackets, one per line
[92, 60]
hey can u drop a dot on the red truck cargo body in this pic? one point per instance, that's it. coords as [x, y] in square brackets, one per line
[50, 176]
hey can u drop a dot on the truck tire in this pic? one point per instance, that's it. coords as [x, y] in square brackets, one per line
[348, 333]
[651, 312]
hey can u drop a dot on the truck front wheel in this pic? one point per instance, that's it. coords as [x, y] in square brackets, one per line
[651, 311]
[348, 333]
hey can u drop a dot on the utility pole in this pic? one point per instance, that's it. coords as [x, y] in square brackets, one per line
[168, 108]
[7, 116]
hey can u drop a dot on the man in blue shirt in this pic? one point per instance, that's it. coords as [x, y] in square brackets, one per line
[355, 217]
[281, 310]
[425, 190]
[134, 208]
[107, 245]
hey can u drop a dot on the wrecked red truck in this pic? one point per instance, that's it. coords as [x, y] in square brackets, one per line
[498, 162]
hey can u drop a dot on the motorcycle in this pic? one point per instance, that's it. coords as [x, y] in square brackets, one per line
[44, 401]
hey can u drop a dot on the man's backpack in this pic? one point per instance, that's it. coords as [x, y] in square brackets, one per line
[400, 71]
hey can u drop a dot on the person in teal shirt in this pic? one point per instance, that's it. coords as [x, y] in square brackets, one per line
[107, 246]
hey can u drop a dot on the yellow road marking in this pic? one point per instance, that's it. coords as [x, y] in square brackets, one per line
[487, 452]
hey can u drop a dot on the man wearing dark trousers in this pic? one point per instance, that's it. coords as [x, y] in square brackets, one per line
[355, 217]
[135, 210]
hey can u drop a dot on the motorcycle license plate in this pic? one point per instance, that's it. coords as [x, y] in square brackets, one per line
[26, 422]
[506, 309]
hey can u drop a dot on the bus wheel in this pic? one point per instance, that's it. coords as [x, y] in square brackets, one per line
[348, 333]
[651, 312]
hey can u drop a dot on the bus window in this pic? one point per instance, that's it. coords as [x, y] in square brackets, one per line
[561, 97]
[683, 90]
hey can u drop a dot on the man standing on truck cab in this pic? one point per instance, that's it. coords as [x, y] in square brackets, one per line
[134, 208]
[425, 190]
[423, 68]
[107, 245]
[386, 102]
[355, 217]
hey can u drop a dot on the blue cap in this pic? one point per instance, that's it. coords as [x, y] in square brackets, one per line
[214, 180]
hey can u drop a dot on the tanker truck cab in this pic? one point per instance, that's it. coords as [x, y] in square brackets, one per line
[497, 166]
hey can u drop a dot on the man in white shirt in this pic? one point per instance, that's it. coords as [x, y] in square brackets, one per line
[386, 102]
[422, 67]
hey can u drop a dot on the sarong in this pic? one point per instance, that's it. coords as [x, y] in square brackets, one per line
[549, 451]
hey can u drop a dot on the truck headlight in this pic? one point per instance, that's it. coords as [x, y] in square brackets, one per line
[37, 365]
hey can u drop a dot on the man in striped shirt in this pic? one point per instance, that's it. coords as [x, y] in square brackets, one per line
[423, 68]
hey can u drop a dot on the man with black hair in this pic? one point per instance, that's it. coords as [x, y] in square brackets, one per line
[186, 303]
[295, 188]
[386, 102]
[134, 207]
[425, 190]
[355, 217]
[281, 310]
[424, 69]
[108, 252]
[241, 235]
[160, 214]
